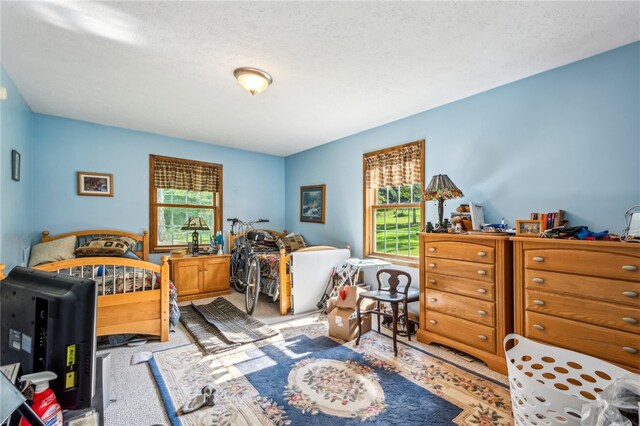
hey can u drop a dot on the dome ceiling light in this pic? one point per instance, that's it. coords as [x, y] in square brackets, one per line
[253, 80]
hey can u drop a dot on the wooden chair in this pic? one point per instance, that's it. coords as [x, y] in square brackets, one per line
[390, 292]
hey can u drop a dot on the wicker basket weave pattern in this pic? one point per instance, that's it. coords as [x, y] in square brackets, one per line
[549, 385]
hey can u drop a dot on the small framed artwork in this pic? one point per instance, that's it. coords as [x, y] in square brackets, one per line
[98, 184]
[312, 203]
[15, 165]
[528, 228]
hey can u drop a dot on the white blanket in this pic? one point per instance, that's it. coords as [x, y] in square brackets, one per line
[310, 271]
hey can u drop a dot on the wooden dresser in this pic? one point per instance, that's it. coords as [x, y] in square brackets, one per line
[466, 297]
[197, 277]
[580, 295]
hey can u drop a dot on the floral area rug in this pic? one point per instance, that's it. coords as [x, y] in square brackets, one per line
[303, 377]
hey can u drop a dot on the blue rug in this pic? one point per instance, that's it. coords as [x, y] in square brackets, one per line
[308, 378]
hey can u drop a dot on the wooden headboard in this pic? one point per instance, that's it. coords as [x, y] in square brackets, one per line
[141, 249]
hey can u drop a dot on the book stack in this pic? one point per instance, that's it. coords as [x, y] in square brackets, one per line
[550, 220]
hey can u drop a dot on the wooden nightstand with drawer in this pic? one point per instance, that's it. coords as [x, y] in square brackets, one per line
[466, 294]
[197, 277]
[580, 295]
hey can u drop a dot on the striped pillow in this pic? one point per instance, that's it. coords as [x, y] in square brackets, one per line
[291, 243]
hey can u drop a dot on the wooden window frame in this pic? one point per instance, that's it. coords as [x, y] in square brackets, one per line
[154, 247]
[368, 195]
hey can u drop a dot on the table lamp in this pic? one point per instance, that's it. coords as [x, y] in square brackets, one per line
[195, 224]
[439, 189]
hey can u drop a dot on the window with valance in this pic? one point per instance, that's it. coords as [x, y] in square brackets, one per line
[180, 189]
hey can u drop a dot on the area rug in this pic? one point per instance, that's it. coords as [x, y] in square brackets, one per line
[220, 326]
[303, 377]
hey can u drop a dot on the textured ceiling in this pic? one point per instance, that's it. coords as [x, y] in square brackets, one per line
[338, 67]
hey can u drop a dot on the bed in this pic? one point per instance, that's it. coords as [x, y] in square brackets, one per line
[275, 267]
[133, 295]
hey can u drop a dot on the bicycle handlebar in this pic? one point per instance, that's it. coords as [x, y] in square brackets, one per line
[236, 220]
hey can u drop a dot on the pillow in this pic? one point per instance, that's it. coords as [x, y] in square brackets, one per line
[106, 246]
[51, 251]
[291, 243]
[131, 255]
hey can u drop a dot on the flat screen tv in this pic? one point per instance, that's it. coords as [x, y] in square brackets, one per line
[49, 324]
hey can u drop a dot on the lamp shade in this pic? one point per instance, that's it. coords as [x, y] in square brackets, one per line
[253, 80]
[195, 224]
[441, 188]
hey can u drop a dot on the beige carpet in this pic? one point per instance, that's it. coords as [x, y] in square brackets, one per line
[137, 401]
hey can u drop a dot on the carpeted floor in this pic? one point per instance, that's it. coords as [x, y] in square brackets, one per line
[138, 401]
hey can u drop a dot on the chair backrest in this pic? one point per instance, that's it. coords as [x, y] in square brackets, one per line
[393, 280]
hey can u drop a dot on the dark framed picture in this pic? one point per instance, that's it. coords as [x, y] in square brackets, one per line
[98, 184]
[15, 165]
[528, 228]
[312, 203]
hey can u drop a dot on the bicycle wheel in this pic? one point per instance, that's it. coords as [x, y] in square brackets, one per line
[253, 284]
[236, 272]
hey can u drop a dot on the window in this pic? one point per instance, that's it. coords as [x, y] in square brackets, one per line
[393, 205]
[181, 189]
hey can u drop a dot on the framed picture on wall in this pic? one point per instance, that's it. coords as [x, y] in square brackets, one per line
[312, 203]
[15, 165]
[97, 184]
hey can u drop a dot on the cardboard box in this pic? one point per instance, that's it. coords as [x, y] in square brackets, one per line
[343, 323]
[351, 297]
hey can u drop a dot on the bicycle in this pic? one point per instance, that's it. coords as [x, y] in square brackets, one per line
[244, 264]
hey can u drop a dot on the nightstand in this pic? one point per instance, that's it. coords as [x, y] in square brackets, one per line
[197, 277]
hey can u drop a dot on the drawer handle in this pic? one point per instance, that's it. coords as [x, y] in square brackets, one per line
[630, 268]
[432, 281]
[630, 320]
[434, 322]
[481, 272]
[432, 249]
[630, 349]
[538, 259]
[538, 302]
[538, 327]
[482, 337]
[432, 265]
[482, 312]
[433, 299]
[482, 254]
[538, 280]
[482, 291]
[630, 293]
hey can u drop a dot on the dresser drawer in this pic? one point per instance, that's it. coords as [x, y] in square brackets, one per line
[458, 250]
[599, 313]
[600, 342]
[457, 268]
[463, 307]
[466, 287]
[626, 292]
[584, 262]
[476, 335]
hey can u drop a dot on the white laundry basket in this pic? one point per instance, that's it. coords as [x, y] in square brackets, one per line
[549, 385]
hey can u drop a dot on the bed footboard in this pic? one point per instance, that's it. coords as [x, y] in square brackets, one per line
[126, 306]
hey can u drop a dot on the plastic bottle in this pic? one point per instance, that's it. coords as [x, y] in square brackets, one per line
[45, 404]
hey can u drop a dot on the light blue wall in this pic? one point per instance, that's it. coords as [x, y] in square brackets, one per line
[253, 183]
[15, 211]
[565, 139]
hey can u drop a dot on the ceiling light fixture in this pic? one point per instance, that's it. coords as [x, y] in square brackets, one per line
[253, 80]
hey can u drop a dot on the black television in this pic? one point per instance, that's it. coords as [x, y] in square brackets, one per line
[49, 324]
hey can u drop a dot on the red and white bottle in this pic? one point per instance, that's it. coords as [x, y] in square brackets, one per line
[44, 404]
